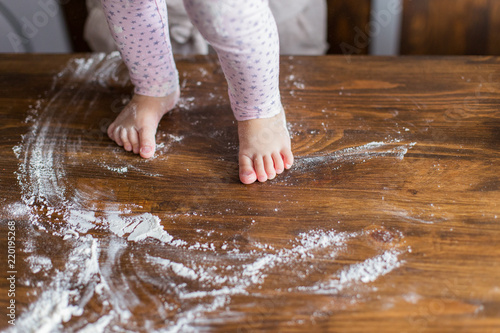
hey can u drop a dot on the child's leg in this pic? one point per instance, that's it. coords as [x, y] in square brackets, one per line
[245, 36]
[140, 30]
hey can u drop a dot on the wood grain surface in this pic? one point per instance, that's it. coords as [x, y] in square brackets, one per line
[389, 220]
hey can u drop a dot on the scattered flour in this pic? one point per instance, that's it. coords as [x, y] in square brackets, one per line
[99, 326]
[357, 154]
[138, 227]
[371, 269]
[39, 263]
[365, 272]
[62, 299]
[94, 266]
[122, 170]
[412, 298]
[17, 209]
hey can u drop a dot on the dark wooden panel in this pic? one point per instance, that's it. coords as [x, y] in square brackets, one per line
[494, 28]
[347, 26]
[451, 27]
[75, 14]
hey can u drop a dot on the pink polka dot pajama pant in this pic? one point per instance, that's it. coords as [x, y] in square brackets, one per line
[242, 32]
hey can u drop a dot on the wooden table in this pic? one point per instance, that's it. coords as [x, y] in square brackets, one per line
[389, 220]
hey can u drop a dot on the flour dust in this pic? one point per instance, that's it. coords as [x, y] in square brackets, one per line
[188, 281]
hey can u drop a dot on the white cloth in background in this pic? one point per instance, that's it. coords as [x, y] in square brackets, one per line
[302, 28]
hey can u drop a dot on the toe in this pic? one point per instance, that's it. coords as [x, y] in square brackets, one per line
[147, 142]
[117, 136]
[124, 137]
[258, 164]
[269, 167]
[111, 131]
[134, 141]
[278, 163]
[287, 158]
[247, 173]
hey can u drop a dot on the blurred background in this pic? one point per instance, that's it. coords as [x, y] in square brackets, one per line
[378, 27]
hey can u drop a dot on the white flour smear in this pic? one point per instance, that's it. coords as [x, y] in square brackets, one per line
[188, 281]
[365, 272]
[358, 154]
[62, 298]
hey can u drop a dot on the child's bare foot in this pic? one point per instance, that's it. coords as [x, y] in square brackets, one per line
[265, 148]
[136, 125]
